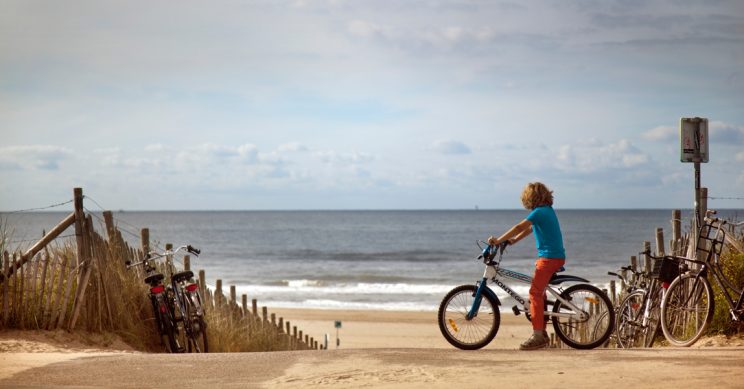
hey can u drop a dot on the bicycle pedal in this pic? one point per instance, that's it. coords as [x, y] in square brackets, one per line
[516, 310]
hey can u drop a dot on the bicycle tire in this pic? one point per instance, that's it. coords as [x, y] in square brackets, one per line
[467, 334]
[687, 309]
[654, 319]
[596, 329]
[168, 330]
[198, 342]
[628, 330]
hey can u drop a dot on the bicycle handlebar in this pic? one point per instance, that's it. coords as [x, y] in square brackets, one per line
[189, 248]
[718, 220]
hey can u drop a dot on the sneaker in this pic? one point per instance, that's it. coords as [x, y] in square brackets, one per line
[536, 341]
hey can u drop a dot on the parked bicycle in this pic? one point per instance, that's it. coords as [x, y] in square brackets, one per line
[687, 307]
[469, 315]
[638, 315]
[179, 313]
[165, 322]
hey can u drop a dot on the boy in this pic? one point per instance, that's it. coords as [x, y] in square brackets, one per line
[542, 219]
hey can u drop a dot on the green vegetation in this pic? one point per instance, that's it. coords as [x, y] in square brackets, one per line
[732, 265]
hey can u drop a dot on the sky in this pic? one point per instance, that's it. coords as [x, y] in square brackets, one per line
[377, 104]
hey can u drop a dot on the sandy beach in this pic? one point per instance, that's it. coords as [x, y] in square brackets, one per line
[393, 329]
[378, 349]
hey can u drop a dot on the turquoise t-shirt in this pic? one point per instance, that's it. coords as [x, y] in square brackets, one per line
[547, 232]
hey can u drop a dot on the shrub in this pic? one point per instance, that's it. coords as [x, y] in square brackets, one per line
[732, 266]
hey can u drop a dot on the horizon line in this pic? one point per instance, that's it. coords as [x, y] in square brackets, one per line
[122, 210]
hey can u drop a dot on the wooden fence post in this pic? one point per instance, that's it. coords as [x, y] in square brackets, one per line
[218, 296]
[87, 268]
[203, 282]
[676, 232]
[21, 306]
[48, 309]
[660, 242]
[108, 220]
[145, 237]
[169, 261]
[34, 284]
[79, 220]
[68, 289]
[39, 309]
[244, 300]
[6, 268]
[186, 262]
[646, 258]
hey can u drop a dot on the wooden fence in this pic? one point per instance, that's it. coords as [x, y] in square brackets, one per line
[678, 245]
[86, 285]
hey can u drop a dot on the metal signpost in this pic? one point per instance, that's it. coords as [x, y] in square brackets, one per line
[693, 137]
[337, 324]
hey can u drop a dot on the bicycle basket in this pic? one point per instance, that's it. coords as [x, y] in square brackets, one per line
[665, 269]
[711, 241]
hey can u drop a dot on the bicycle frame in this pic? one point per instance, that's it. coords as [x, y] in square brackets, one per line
[495, 273]
[714, 267]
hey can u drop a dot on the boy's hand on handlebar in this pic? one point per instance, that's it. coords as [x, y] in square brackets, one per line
[494, 241]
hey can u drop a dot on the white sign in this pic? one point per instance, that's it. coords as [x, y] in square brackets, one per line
[693, 139]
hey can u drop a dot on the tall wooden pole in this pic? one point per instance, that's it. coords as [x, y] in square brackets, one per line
[79, 222]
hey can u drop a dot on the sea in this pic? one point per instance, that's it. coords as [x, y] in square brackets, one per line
[389, 260]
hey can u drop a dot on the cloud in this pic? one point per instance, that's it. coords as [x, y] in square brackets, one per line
[293, 147]
[591, 157]
[740, 156]
[35, 157]
[661, 133]
[333, 157]
[450, 147]
[720, 132]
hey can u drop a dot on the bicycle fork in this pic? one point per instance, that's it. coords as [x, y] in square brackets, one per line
[477, 298]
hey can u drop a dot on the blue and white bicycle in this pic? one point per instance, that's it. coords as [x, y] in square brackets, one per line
[583, 316]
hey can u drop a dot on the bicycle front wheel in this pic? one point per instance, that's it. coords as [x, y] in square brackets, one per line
[629, 329]
[654, 319]
[687, 309]
[464, 333]
[198, 338]
[597, 324]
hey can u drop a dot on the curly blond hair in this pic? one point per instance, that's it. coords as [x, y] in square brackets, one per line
[536, 194]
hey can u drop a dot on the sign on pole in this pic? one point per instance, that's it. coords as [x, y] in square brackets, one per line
[693, 139]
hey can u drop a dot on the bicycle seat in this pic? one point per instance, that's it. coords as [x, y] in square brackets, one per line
[152, 279]
[183, 276]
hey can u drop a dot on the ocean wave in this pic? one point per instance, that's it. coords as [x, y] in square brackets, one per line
[356, 256]
[323, 287]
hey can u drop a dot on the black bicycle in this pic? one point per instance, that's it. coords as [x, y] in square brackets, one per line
[165, 322]
[181, 309]
[190, 311]
[638, 315]
[687, 307]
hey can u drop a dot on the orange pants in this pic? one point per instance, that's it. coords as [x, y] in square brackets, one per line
[544, 269]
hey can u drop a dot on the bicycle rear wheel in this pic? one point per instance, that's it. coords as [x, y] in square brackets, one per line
[596, 328]
[464, 333]
[629, 318]
[169, 332]
[687, 309]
